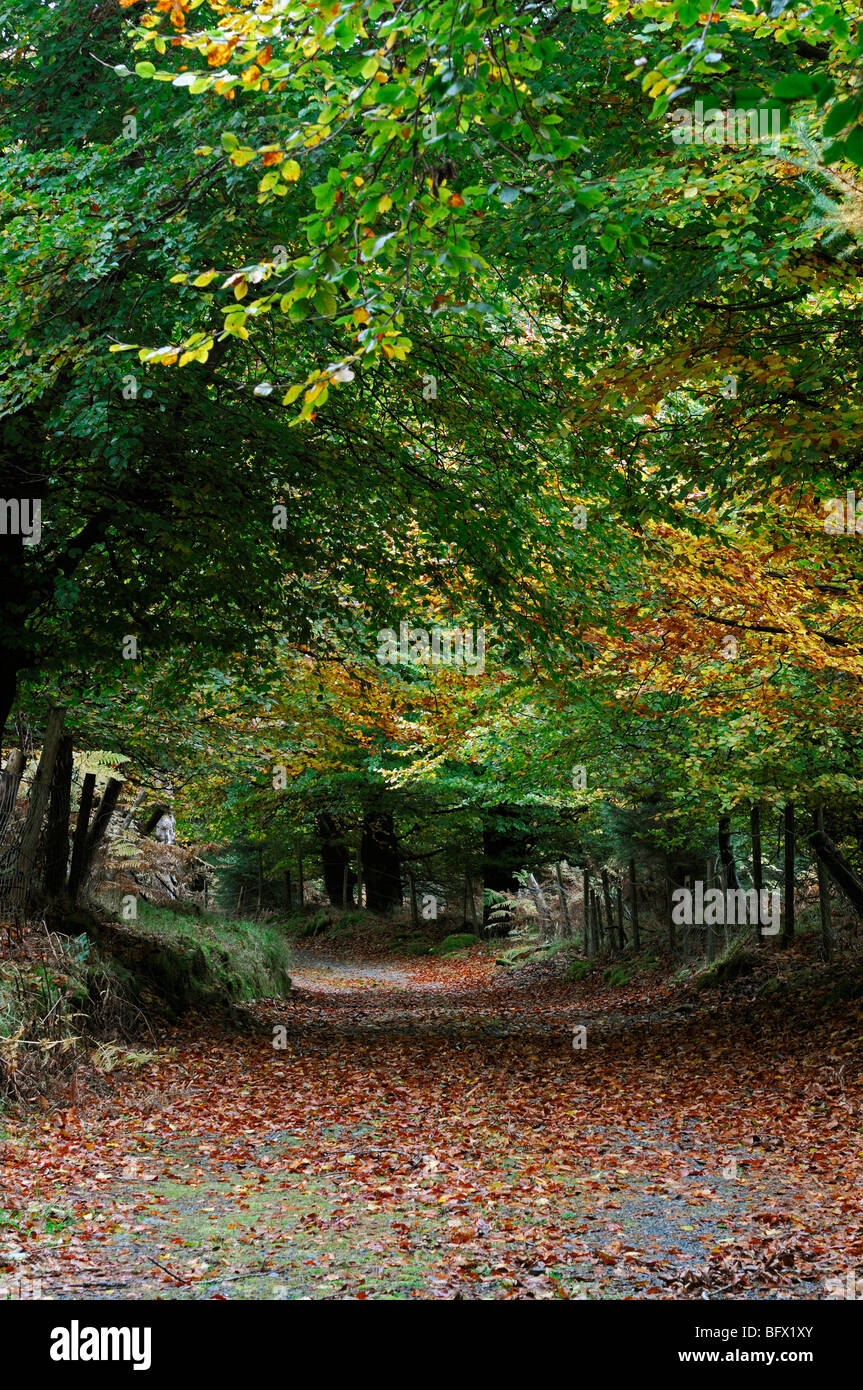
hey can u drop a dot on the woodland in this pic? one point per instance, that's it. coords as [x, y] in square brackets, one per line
[431, 645]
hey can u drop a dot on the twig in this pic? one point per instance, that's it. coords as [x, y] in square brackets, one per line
[178, 1278]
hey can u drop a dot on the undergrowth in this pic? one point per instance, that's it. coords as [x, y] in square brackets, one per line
[71, 1001]
[245, 960]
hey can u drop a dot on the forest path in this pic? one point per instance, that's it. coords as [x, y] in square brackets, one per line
[425, 1128]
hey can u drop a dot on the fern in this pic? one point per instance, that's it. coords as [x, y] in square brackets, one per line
[836, 218]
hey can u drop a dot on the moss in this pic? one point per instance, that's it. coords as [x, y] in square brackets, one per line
[241, 960]
[459, 941]
[737, 960]
[578, 970]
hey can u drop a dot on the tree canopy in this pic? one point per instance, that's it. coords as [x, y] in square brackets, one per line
[321, 318]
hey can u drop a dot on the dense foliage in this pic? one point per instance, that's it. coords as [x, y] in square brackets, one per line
[320, 319]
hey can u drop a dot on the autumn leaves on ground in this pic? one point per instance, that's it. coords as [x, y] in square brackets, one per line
[428, 1130]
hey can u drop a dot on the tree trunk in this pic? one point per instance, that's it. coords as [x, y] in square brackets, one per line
[621, 935]
[301, 887]
[565, 924]
[471, 899]
[606, 897]
[788, 918]
[824, 895]
[80, 838]
[133, 810]
[57, 837]
[636, 935]
[710, 927]
[381, 864]
[10, 781]
[726, 853]
[757, 872]
[288, 894]
[335, 861]
[39, 793]
[596, 921]
[8, 671]
[415, 916]
[542, 913]
[672, 938]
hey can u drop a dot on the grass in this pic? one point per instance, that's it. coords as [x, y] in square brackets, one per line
[55, 1006]
[245, 960]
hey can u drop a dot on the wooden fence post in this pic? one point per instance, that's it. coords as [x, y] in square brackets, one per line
[636, 936]
[757, 872]
[788, 918]
[39, 793]
[10, 781]
[606, 896]
[710, 927]
[586, 916]
[415, 917]
[566, 925]
[98, 829]
[57, 833]
[596, 915]
[79, 839]
[824, 895]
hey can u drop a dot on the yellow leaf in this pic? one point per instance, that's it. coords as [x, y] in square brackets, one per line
[291, 171]
[385, 203]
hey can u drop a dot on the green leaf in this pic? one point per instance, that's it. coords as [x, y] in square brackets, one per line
[854, 145]
[795, 85]
[842, 114]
